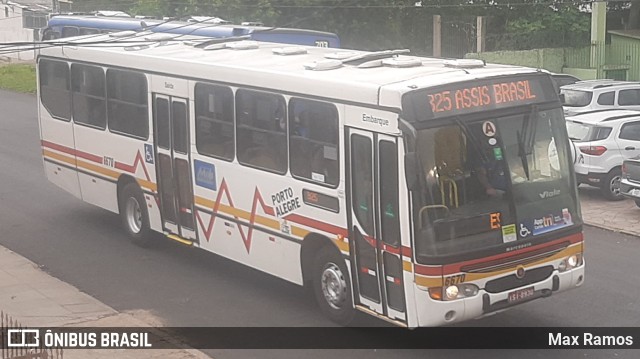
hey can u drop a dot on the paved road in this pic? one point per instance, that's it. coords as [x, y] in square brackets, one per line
[178, 286]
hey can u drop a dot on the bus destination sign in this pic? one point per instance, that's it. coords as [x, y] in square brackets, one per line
[469, 97]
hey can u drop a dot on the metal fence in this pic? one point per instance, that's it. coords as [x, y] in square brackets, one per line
[619, 60]
[11, 352]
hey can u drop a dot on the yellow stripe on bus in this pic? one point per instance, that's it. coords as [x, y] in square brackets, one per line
[429, 281]
[59, 157]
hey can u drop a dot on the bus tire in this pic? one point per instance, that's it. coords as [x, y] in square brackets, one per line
[332, 286]
[134, 215]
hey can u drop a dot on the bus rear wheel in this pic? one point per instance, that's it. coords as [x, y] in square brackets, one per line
[134, 215]
[332, 286]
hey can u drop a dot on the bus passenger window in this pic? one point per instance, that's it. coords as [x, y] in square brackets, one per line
[313, 141]
[54, 88]
[214, 121]
[127, 103]
[261, 130]
[87, 84]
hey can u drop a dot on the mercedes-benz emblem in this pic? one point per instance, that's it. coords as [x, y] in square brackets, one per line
[520, 272]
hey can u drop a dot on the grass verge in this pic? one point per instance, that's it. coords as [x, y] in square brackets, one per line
[18, 77]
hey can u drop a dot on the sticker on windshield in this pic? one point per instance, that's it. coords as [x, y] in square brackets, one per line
[489, 128]
[497, 153]
[493, 141]
[524, 231]
[547, 223]
[509, 233]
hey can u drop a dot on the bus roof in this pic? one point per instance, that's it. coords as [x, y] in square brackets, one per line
[261, 68]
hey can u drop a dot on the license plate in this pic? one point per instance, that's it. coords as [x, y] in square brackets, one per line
[635, 192]
[520, 294]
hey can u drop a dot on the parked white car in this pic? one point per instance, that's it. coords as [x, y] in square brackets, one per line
[602, 141]
[590, 95]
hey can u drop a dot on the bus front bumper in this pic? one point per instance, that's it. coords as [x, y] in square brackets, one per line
[485, 304]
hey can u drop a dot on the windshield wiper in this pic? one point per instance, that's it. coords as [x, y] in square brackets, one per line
[526, 138]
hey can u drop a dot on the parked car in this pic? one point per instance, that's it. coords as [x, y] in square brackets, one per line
[591, 95]
[602, 141]
[630, 181]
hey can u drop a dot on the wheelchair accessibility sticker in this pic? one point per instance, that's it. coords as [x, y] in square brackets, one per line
[148, 153]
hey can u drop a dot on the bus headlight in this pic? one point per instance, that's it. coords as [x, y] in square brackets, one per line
[571, 262]
[452, 292]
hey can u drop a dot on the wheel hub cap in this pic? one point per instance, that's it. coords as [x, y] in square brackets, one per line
[334, 286]
[134, 215]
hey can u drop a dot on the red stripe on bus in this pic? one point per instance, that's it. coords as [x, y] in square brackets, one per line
[58, 147]
[88, 156]
[389, 248]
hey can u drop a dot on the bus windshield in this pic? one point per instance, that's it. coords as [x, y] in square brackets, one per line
[492, 183]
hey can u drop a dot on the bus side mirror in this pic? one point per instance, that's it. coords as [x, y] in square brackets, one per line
[411, 170]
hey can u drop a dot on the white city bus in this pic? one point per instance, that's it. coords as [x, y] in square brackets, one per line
[418, 190]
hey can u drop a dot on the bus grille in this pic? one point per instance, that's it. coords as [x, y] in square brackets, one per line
[511, 281]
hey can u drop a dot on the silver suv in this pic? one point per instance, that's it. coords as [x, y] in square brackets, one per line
[591, 95]
[602, 140]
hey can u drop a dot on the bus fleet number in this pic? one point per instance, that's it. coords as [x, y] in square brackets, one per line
[108, 161]
[456, 279]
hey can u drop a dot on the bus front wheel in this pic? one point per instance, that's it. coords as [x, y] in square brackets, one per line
[332, 286]
[134, 215]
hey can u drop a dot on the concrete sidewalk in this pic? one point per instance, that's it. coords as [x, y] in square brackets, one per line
[619, 216]
[36, 299]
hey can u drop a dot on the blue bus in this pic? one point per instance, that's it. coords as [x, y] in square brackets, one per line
[61, 26]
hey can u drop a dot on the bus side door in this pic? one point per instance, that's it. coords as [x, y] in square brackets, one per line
[173, 166]
[374, 231]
